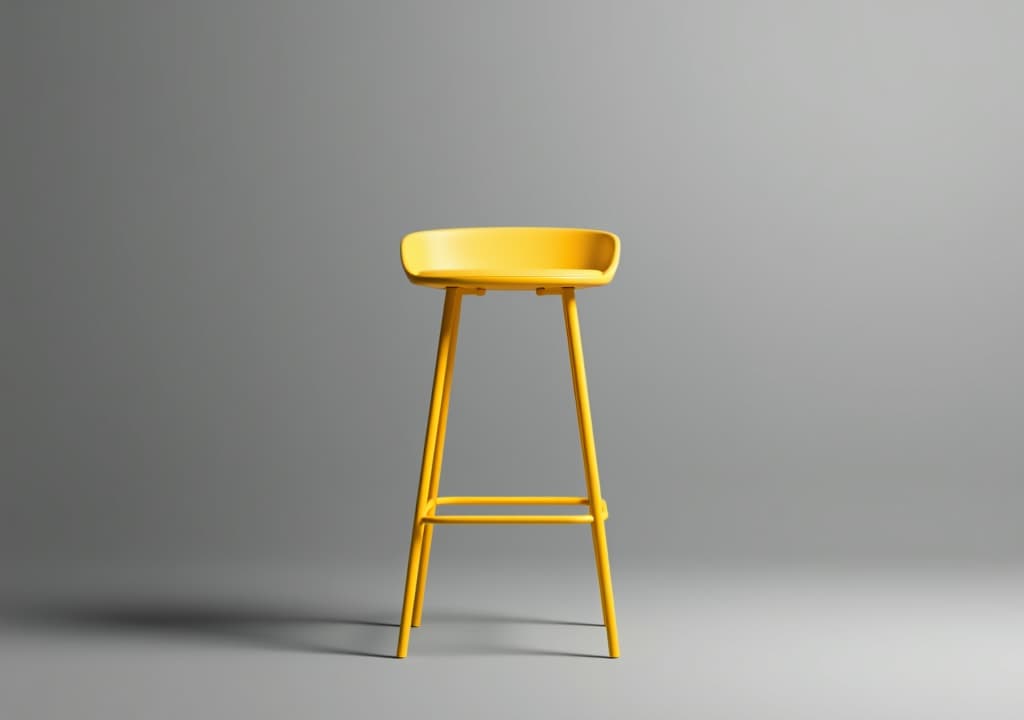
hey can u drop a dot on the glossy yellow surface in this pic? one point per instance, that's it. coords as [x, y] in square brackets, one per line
[510, 258]
[552, 261]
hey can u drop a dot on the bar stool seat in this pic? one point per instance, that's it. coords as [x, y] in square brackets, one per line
[510, 258]
[472, 261]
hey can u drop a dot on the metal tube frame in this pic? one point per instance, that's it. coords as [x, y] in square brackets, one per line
[428, 500]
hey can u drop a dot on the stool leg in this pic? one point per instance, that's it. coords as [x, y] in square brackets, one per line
[435, 474]
[579, 384]
[452, 299]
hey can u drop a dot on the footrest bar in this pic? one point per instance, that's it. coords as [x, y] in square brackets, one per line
[509, 519]
[430, 516]
[505, 500]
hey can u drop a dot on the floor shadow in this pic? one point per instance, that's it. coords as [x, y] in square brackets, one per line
[265, 627]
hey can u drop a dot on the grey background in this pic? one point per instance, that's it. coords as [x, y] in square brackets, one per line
[806, 377]
[811, 355]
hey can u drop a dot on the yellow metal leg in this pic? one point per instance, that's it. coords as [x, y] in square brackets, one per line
[435, 473]
[452, 299]
[579, 382]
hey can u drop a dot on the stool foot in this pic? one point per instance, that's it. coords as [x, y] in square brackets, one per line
[410, 587]
[604, 580]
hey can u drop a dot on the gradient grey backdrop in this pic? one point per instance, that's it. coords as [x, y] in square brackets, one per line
[212, 361]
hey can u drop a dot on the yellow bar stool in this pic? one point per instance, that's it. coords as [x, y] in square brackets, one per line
[471, 261]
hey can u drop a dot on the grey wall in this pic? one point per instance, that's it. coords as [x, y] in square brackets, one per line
[812, 352]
